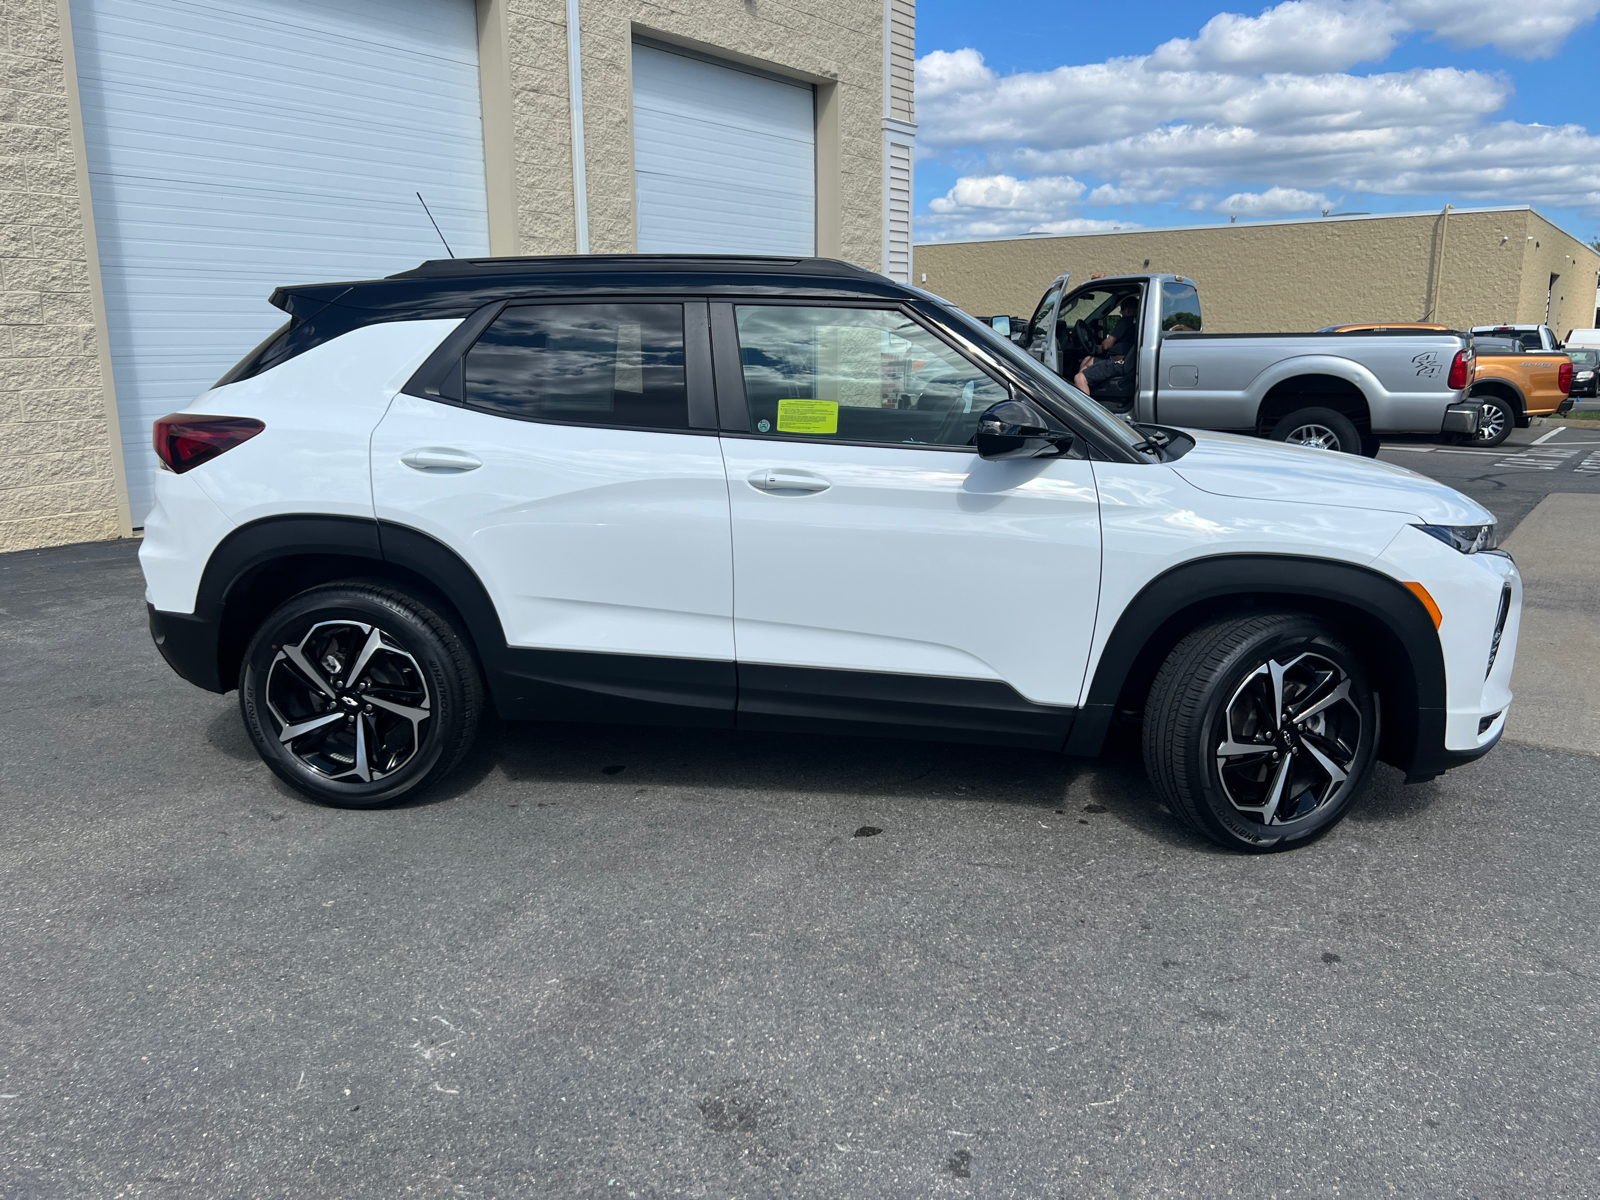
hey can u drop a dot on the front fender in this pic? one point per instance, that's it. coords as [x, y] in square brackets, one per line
[1391, 628]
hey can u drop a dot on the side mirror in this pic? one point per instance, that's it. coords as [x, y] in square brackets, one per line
[1001, 325]
[1018, 429]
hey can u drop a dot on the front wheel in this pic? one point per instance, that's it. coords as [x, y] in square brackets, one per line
[358, 694]
[1319, 428]
[1260, 732]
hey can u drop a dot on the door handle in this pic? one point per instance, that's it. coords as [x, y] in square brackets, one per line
[788, 481]
[440, 459]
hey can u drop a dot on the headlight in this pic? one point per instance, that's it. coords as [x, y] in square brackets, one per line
[1469, 539]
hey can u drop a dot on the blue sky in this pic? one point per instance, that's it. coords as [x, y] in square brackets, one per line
[1063, 117]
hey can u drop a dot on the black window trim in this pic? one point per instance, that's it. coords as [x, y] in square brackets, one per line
[734, 404]
[735, 409]
[442, 375]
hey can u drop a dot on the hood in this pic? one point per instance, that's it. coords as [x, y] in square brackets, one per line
[1255, 469]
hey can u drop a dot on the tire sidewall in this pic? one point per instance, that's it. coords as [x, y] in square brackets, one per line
[1510, 422]
[1227, 822]
[287, 625]
[1344, 428]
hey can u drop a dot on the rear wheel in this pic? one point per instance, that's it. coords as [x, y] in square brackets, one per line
[1260, 732]
[1496, 422]
[358, 694]
[1319, 428]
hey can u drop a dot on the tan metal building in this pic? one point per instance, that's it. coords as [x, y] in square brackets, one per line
[1464, 267]
[167, 164]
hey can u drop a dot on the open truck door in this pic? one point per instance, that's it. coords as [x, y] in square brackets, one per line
[1039, 338]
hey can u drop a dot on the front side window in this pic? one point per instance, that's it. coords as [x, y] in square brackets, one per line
[1041, 313]
[857, 375]
[590, 364]
[1180, 308]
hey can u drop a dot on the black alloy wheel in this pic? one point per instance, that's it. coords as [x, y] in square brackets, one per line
[1260, 732]
[357, 694]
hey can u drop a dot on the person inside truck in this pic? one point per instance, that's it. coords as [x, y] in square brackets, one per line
[1124, 335]
[1114, 357]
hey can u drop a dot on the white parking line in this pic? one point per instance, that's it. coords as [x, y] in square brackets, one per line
[1539, 441]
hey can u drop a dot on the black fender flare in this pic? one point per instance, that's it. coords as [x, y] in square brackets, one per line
[1379, 607]
[212, 639]
[1485, 387]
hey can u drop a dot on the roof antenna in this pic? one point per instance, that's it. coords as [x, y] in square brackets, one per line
[435, 224]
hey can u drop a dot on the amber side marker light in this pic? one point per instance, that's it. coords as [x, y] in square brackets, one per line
[183, 442]
[1421, 593]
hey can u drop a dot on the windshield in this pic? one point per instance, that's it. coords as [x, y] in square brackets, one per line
[1112, 427]
[1583, 358]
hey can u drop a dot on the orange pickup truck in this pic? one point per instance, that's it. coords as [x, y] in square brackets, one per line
[1513, 384]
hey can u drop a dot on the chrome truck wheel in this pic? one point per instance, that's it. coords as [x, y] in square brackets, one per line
[1320, 429]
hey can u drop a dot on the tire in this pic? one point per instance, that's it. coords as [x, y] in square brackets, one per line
[1213, 697]
[1371, 443]
[401, 721]
[1496, 424]
[1322, 428]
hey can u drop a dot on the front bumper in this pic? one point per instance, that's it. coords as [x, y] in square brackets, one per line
[188, 641]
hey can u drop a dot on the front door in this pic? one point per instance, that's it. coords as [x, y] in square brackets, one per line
[884, 574]
[570, 477]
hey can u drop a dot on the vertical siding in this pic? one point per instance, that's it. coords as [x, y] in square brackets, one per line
[897, 248]
[902, 59]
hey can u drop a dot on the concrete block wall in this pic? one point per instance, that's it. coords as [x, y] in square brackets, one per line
[1295, 275]
[837, 43]
[59, 462]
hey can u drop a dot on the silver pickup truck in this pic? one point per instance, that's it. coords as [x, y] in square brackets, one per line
[1339, 391]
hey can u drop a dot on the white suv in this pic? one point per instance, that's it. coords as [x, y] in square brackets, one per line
[792, 495]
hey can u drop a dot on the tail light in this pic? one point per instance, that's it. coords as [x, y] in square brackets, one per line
[1460, 371]
[1564, 378]
[183, 442]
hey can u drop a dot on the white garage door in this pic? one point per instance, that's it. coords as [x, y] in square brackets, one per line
[235, 145]
[725, 161]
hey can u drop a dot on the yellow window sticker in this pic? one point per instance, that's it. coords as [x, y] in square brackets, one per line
[808, 416]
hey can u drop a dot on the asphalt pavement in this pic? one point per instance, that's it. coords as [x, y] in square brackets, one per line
[1513, 477]
[611, 962]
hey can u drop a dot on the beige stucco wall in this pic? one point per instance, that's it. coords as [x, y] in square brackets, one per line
[59, 460]
[836, 44]
[1302, 275]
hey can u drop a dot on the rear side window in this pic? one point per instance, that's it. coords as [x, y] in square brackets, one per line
[587, 364]
[1180, 308]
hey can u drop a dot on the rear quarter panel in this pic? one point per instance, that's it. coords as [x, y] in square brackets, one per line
[1536, 375]
[319, 409]
[1219, 382]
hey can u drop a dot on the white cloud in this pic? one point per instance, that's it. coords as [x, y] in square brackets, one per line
[1004, 206]
[1006, 191]
[1332, 35]
[1297, 36]
[1525, 30]
[1275, 202]
[1265, 101]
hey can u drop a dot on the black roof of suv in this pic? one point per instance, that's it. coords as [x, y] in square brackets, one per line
[444, 288]
[454, 287]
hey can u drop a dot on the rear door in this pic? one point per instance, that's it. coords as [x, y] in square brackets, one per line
[573, 463]
[884, 574]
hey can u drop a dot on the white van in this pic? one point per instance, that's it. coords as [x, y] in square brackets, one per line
[1582, 337]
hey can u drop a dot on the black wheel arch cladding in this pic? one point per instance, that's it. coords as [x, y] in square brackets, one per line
[1385, 625]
